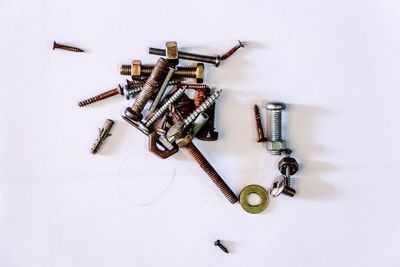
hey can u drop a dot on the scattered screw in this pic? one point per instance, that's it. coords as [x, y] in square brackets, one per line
[231, 51]
[260, 131]
[103, 134]
[275, 143]
[101, 96]
[66, 47]
[222, 247]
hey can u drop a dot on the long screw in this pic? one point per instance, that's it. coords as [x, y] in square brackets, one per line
[260, 132]
[222, 247]
[164, 107]
[66, 47]
[157, 75]
[207, 133]
[101, 96]
[206, 166]
[231, 51]
[216, 60]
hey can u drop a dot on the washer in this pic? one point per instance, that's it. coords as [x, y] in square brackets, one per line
[258, 190]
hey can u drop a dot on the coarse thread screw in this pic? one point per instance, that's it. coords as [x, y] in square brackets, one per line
[101, 96]
[275, 144]
[231, 51]
[164, 107]
[204, 106]
[66, 47]
[157, 75]
[207, 132]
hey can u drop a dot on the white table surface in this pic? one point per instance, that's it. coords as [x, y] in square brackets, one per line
[335, 63]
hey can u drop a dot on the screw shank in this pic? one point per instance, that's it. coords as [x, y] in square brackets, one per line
[211, 172]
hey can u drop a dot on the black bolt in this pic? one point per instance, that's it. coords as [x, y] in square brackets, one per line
[218, 244]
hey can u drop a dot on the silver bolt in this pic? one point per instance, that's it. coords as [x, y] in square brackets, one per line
[178, 128]
[275, 143]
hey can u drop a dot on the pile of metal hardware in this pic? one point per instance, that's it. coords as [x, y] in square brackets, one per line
[276, 146]
[171, 105]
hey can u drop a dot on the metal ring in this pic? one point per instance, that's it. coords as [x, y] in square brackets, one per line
[254, 189]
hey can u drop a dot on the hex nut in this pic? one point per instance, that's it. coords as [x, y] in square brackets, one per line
[288, 162]
[136, 68]
[200, 72]
[171, 52]
[275, 147]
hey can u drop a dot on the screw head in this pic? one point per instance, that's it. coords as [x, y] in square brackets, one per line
[278, 186]
[275, 106]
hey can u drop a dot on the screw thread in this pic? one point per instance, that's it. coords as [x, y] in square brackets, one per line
[158, 74]
[125, 70]
[164, 107]
[211, 172]
[99, 97]
[274, 125]
[206, 104]
[231, 51]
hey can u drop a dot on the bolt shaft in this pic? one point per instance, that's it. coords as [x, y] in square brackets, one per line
[189, 56]
[274, 125]
[211, 172]
[145, 71]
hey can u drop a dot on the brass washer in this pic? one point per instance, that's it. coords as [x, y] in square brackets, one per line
[258, 190]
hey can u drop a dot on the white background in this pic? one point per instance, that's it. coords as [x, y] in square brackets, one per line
[335, 63]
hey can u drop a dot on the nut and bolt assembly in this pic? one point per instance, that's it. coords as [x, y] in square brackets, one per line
[275, 143]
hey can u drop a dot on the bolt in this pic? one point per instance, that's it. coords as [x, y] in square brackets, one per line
[259, 128]
[66, 47]
[138, 71]
[102, 96]
[204, 164]
[275, 143]
[222, 247]
[216, 60]
[158, 74]
[231, 51]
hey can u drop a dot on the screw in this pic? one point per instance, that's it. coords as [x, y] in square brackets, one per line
[204, 164]
[164, 107]
[66, 47]
[222, 247]
[231, 51]
[259, 128]
[216, 60]
[101, 96]
[287, 190]
[158, 74]
[138, 71]
[275, 144]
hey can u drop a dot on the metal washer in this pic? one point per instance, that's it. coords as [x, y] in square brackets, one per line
[258, 190]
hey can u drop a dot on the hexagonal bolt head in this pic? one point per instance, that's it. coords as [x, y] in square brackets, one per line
[136, 68]
[171, 52]
[275, 147]
[199, 72]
